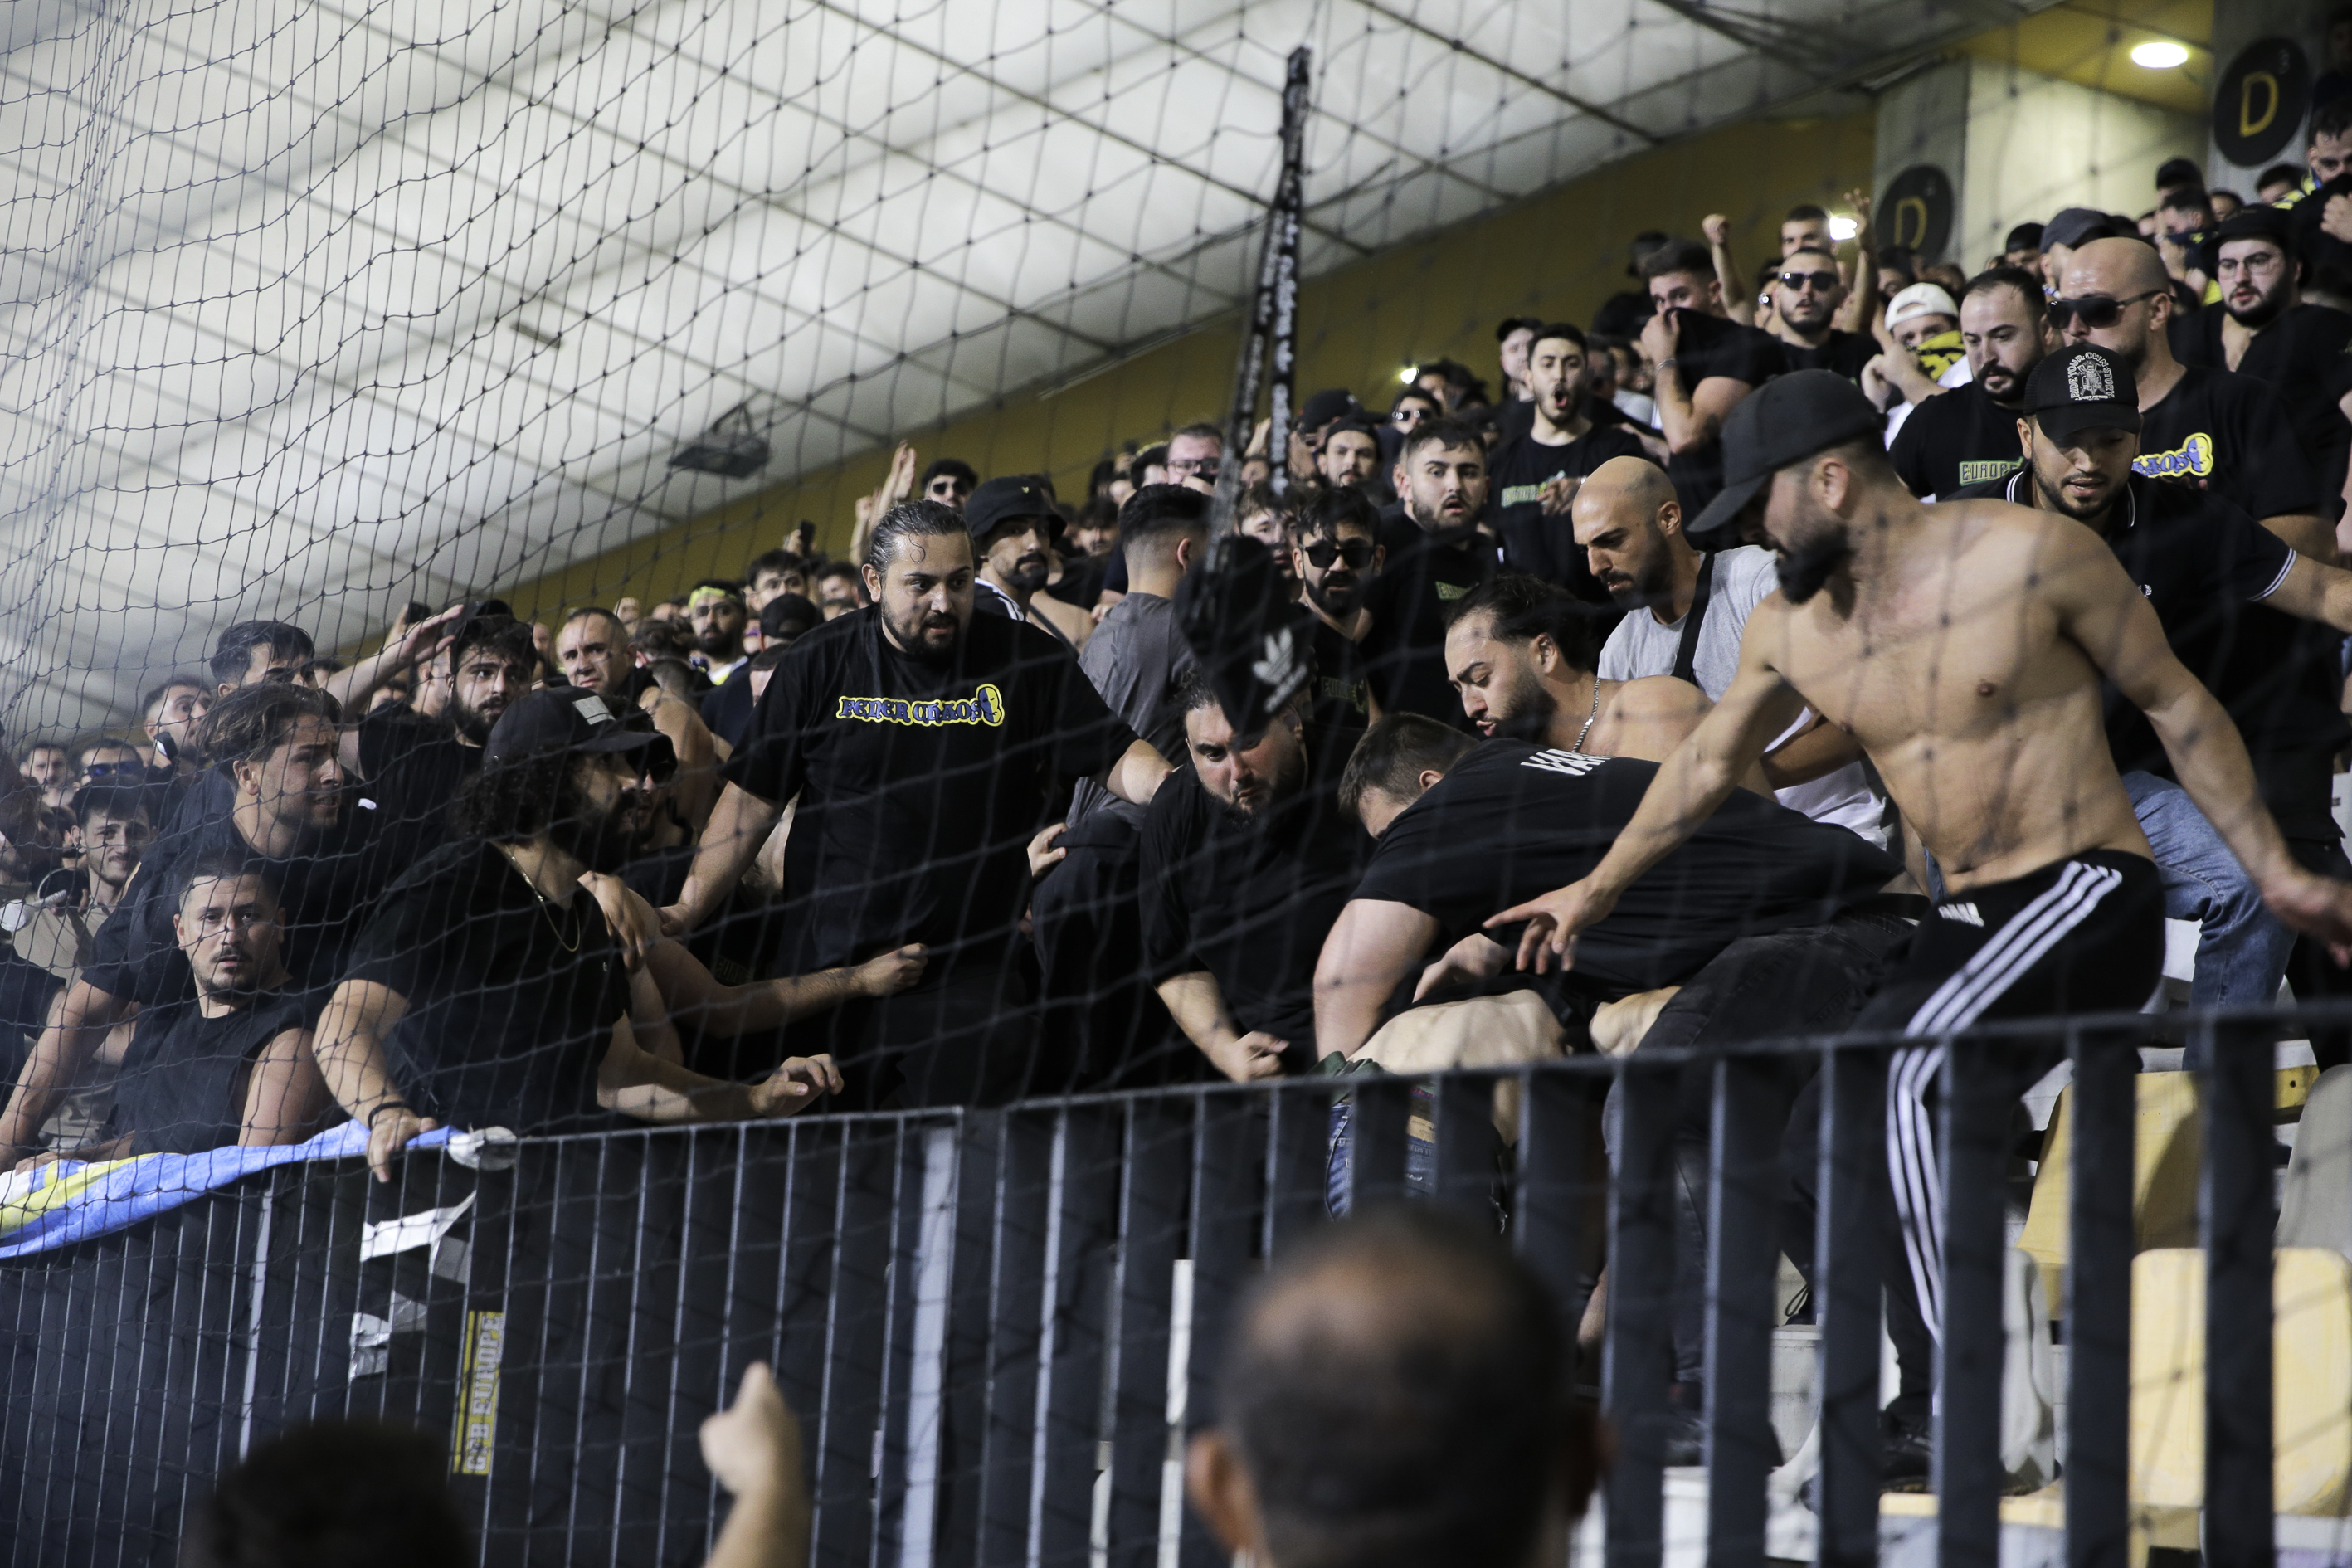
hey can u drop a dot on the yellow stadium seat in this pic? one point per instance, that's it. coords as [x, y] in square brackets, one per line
[2167, 1147]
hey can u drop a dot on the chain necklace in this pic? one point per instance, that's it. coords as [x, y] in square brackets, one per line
[547, 908]
[1589, 718]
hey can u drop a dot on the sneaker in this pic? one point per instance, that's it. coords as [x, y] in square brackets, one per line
[1909, 1447]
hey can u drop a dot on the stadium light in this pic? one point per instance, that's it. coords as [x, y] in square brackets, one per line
[1843, 229]
[2159, 56]
[1404, 376]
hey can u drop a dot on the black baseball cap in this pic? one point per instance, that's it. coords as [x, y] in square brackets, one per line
[1325, 407]
[1787, 420]
[2024, 236]
[2075, 225]
[999, 501]
[2247, 222]
[2082, 388]
[562, 720]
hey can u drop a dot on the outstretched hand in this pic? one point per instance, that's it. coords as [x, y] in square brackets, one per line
[1553, 922]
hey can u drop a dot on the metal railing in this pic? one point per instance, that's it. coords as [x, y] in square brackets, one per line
[993, 1322]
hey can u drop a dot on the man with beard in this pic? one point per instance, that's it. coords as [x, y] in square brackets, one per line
[1435, 554]
[1536, 477]
[1011, 520]
[1522, 654]
[1247, 860]
[2225, 591]
[485, 988]
[1335, 552]
[290, 815]
[2222, 429]
[1963, 648]
[1969, 434]
[924, 743]
[1350, 455]
[2261, 328]
[715, 617]
[1808, 295]
[1686, 615]
[232, 1064]
[413, 767]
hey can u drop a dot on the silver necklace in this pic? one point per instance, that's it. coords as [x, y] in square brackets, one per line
[1589, 718]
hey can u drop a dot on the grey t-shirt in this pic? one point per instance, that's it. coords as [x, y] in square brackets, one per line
[1643, 645]
[1135, 657]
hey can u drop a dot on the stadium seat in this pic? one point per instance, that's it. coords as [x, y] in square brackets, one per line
[2167, 1148]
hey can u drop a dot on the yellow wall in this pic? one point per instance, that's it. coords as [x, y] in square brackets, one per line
[1557, 254]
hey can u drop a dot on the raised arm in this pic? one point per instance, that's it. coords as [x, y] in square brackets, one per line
[406, 647]
[1739, 298]
[1373, 946]
[1862, 298]
[2104, 613]
[739, 825]
[1699, 776]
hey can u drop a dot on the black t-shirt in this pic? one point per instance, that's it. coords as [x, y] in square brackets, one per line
[1251, 900]
[1404, 650]
[1842, 352]
[412, 768]
[182, 1083]
[2205, 566]
[512, 1000]
[2231, 431]
[1544, 546]
[1342, 694]
[1954, 440]
[323, 892]
[726, 708]
[1511, 822]
[26, 990]
[2297, 356]
[920, 783]
[1708, 347]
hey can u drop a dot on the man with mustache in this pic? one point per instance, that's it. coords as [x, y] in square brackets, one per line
[1434, 556]
[1012, 523]
[1969, 434]
[925, 744]
[487, 987]
[1536, 474]
[1963, 648]
[2261, 328]
[1335, 552]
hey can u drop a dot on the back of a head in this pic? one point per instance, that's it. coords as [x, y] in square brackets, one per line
[1394, 754]
[1397, 1387]
[1157, 516]
[352, 1494]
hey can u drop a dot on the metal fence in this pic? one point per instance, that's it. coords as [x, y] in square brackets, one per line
[996, 1324]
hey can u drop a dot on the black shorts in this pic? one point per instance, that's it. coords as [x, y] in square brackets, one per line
[2082, 936]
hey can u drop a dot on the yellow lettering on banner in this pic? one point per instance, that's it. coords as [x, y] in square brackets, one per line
[984, 706]
[2247, 124]
[1911, 222]
[477, 1394]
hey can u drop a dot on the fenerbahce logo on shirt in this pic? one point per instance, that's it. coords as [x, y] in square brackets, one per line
[2193, 457]
[985, 706]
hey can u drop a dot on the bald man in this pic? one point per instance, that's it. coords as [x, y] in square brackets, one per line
[1630, 525]
[1396, 1390]
[2209, 426]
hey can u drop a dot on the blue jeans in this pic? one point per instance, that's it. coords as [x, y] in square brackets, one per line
[2241, 948]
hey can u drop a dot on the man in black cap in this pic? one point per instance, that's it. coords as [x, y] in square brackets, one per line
[2261, 327]
[1012, 520]
[487, 988]
[2070, 229]
[2228, 594]
[924, 743]
[1968, 435]
[1963, 648]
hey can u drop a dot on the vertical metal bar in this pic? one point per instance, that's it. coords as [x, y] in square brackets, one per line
[966, 1385]
[1298, 1162]
[1639, 1346]
[1466, 1143]
[2099, 1302]
[1971, 1346]
[1743, 1249]
[908, 1214]
[652, 1207]
[1381, 1108]
[1548, 1218]
[1076, 1313]
[1233, 1144]
[1012, 1352]
[1156, 1157]
[2236, 1205]
[853, 1351]
[1848, 1244]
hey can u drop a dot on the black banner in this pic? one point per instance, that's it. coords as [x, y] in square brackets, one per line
[2259, 106]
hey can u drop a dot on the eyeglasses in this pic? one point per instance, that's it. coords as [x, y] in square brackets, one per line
[2264, 260]
[1356, 552]
[1822, 281]
[2097, 310]
[1187, 468]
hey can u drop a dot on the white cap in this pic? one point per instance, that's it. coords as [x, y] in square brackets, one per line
[1920, 299]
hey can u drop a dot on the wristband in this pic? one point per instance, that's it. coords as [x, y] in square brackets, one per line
[379, 1111]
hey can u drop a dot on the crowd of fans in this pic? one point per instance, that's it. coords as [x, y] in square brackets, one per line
[1636, 699]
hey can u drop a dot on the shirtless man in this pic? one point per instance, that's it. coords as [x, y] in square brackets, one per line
[1963, 649]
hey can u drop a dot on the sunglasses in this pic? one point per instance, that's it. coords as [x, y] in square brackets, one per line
[1823, 282]
[1356, 552]
[2096, 310]
[105, 769]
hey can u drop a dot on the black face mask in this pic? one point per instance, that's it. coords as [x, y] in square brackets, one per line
[1804, 571]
